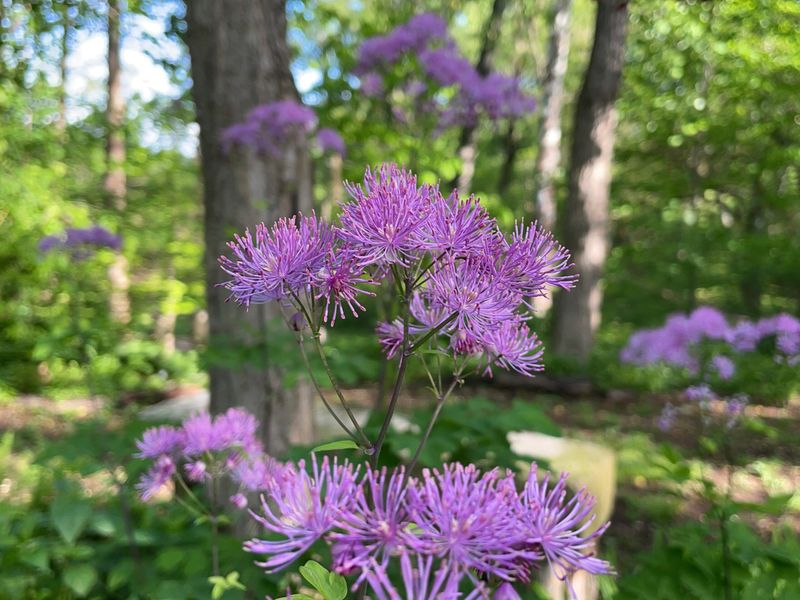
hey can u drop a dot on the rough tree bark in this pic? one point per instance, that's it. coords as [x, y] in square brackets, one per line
[114, 182]
[240, 59]
[586, 219]
[467, 144]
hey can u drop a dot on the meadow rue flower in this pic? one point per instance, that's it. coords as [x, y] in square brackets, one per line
[455, 225]
[268, 125]
[279, 262]
[420, 581]
[533, 261]
[157, 441]
[372, 527]
[196, 471]
[561, 528]
[513, 346]
[735, 408]
[339, 282]
[468, 289]
[468, 519]
[301, 509]
[329, 140]
[724, 366]
[383, 223]
[156, 478]
[81, 241]
[371, 84]
[506, 591]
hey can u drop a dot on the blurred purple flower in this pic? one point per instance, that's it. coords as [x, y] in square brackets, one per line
[329, 140]
[156, 478]
[667, 417]
[159, 440]
[734, 408]
[371, 85]
[724, 366]
[301, 509]
[268, 126]
[561, 528]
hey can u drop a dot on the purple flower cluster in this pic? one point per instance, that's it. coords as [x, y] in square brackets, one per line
[677, 341]
[495, 95]
[206, 447]
[451, 526]
[268, 126]
[81, 241]
[469, 287]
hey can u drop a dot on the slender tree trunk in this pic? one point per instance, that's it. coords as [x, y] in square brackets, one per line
[240, 59]
[549, 159]
[336, 194]
[61, 120]
[511, 146]
[467, 148]
[586, 220]
[114, 182]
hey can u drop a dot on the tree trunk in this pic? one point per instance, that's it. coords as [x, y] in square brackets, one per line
[61, 120]
[240, 59]
[467, 150]
[549, 159]
[114, 182]
[586, 220]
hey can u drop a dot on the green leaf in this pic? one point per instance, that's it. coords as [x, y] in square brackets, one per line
[80, 578]
[339, 445]
[331, 585]
[297, 597]
[70, 516]
[121, 574]
[38, 558]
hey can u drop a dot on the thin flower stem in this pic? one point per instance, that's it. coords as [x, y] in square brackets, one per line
[337, 389]
[301, 344]
[332, 378]
[419, 277]
[214, 527]
[442, 398]
[200, 509]
[398, 382]
[432, 332]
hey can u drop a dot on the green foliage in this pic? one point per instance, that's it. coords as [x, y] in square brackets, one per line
[471, 431]
[687, 562]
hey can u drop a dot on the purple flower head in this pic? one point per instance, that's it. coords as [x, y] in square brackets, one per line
[200, 435]
[280, 262]
[157, 441]
[420, 581]
[447, 67]
[81, 241]
[561, 528]
[411, 36]
[468, 519]
[744, 336]
[237, 428]
[371, 85]
[468, 288]
[257, 473]
[390, 337]
[338, 281]
[534, 261]
[156, 478]
[196, 471]
[708, 322]
[723, 366]
[456, 225]
[329, 140]
[239, 501]
[513, 346]
[667, 417]
[786, 330]
[383, 223]
[499, 96]
[734, 409]
[302, 508]
[268, 125]
[699, 393]
[372, 527]
[506, 591]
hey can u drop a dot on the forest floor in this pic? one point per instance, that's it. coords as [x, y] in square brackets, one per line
[765, 450]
